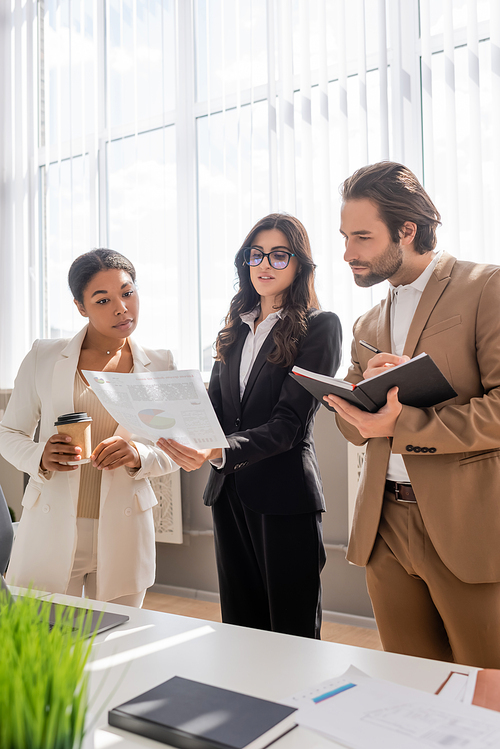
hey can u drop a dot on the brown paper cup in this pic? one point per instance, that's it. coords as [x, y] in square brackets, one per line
[80, 433]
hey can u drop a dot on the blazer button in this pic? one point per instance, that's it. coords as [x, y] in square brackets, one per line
[416, 449]
[237, 423]
[409, 448]
[128, 511]
[432, 449]
[46, 508]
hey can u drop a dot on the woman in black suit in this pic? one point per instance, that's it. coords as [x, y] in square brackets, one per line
[265, 489]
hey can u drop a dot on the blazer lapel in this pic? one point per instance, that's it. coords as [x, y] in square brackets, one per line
[436, 284]
[63, 387]
[141, 363]
[63, 381]
[233, 367]
[141, 359]
[259, 362]
[384, 325]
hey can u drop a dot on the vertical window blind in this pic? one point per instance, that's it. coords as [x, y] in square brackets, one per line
[165, 128]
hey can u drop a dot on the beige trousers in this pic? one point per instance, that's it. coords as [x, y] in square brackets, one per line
[84, 573]
[421, 608]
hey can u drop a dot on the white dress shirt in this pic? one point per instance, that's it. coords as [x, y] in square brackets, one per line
[404, 302]
[253, 344]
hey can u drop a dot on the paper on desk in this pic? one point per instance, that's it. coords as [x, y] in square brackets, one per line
[321, 692]
[471, 686]
[459, 686]
[172, 404]
[377, 714]
[454, 687]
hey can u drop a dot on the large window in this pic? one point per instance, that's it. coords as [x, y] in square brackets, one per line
[165, 128]
[107, 158]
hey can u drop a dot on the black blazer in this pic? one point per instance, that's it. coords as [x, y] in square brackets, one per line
[269, 431]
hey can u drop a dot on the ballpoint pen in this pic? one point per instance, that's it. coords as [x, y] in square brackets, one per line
[370, 347]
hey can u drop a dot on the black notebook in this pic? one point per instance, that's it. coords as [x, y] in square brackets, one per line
[192, 715]
[421, 384]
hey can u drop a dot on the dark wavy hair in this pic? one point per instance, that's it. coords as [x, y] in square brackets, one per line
[85, 267]
[399, 197]
[297, 300]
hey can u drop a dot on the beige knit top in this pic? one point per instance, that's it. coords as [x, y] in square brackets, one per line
[103, 426]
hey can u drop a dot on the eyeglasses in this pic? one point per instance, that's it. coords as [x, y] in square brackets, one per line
[278, 259]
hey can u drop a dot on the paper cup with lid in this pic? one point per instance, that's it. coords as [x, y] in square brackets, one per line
[77, 426]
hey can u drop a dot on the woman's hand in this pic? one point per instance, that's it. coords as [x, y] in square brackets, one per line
[187, 457]
[57, 452]
[114, 452]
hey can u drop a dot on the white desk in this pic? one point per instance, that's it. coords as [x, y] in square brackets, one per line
[152, 647]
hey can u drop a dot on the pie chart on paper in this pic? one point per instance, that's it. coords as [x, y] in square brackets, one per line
[156, 419]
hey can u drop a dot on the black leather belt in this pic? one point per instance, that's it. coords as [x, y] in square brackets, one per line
[402, 492]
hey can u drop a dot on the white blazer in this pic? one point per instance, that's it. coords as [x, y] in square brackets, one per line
[45, 544]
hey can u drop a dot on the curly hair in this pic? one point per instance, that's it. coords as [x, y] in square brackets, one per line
[297, 300]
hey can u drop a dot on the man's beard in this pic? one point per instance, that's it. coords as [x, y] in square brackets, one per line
[384, 267]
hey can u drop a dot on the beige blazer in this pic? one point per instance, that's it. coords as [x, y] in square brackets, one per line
[45, 544]
[451, 451]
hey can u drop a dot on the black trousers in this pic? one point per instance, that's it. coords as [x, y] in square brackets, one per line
[269, 566]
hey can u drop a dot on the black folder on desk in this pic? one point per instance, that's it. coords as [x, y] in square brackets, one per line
[192, 715]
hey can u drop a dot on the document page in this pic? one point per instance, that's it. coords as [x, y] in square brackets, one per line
[365, 713]
[173, 405]
[459, 686]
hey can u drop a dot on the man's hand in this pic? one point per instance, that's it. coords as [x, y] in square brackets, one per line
[382, 362]
[114, 452]
[380, 424]
[187, 457]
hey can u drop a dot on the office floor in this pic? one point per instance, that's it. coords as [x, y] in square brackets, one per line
[347, 635]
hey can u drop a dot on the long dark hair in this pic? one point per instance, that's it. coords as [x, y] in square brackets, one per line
[297, 300]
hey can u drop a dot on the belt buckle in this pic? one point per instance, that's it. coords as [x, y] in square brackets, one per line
[398, 496]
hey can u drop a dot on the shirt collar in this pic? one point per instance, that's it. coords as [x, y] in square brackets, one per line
[420, 283]
[250, 317]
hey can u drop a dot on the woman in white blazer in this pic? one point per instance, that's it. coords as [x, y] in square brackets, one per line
[111, 554]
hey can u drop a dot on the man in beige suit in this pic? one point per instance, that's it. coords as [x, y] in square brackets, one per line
[427, 520]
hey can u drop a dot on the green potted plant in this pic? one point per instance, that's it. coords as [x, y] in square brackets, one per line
[43, 682]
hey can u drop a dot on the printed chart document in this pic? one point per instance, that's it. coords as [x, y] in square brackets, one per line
[365, 713]
[173, 405]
